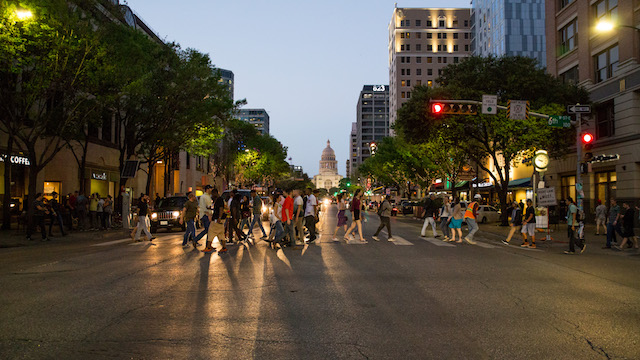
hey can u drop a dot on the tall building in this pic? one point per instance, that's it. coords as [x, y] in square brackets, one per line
[328, 177]
[509, 27]
[372, 123]
[422, 41]
[606, 64]
[352, 161]
[227, 78]
[257, 117]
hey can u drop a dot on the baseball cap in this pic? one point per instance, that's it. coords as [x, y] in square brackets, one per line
[477, 196]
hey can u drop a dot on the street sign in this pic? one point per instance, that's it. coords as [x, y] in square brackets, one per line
[490, 104]
[518, 109]
[561, 121]
[582, 109]
[547, 197]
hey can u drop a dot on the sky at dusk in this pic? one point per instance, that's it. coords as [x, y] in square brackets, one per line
[305, 62]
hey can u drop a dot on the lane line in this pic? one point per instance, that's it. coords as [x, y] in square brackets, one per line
[112, 242]
[437, 242]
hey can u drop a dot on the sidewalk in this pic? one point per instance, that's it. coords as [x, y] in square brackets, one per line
[14, 238]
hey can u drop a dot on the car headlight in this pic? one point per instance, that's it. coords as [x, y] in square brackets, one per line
[327, 202]
[154, 215]
[176, 214]
[264, 209]
[12, 205]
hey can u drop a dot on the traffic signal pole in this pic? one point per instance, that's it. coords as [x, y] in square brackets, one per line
[579, 187]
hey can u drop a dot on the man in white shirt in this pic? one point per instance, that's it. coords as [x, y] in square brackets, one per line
[204, 209]
[298, 216]
[310, 217]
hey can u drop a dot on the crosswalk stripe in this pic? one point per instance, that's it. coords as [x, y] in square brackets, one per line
[484, 245]
[401, 241]
[437, 242]
[112, 242]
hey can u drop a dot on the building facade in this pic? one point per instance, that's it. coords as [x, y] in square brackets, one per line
[372, 122]
[606, 64]
[256, 117]
[509, 27]
[352, 161]
[328, 177]
[227, 78]
[422, 41]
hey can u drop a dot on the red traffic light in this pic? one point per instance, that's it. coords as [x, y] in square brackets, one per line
[436, 108]
[587, 138]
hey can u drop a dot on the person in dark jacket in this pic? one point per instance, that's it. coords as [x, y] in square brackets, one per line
[385, 218]
[515, 223]
[627, 227]
[236, 216]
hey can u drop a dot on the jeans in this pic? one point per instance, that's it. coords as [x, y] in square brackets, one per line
[57, 217]
[38, 220]
[310, 223]
[384, 221]
[473, 227]
[290, 230]
[142, 226]
[429, 220]
[191, 231]
[573, 239]
[233, 227]
[279, 232]
[611, 232]
[205, 224]
[444, 226]
[256, 219]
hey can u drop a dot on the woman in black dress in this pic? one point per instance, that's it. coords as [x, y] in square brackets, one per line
[627, 227]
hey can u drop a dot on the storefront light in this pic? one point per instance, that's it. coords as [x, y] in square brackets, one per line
[154, 216]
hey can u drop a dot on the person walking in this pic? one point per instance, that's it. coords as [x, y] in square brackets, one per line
[82, 207]
[143, 211]
[627, 227]
[430, 209]
[572, 223]
[470, 216]
[108, 211]
[342, 217]
[100, 213]
[515, 223]
[287, 218]
[245, 213]
[298, 216]
[445, 214]
[188, 216]
[236, 217]
[93, 211]
[384, 211]
[204, 211]
[311, 215]
[356, 205]
[216, 225]
[39, 212]
[55, 214]
[529, 226]
[614, 224]
[256, 209]
[456, 221]
[275, 218]
[601, 217]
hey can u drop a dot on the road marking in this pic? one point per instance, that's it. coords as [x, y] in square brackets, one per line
[484, 245]
[112, 242]
[400, 241]
[437, 242]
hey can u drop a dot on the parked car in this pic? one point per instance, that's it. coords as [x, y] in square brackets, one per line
[406, 207]
[166, 214]
[487, 214]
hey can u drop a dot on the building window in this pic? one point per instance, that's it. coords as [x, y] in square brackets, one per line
[466, 48]
[408, 60]
[408, 47]
[455, 23]
[408, 83]
[403, 83]
[466, 23]
[418, 47]
[605, 120]
[419, 35]
[606, 8]
[419, 60]
[466, 35]
[440, 23]
[570, 76]
[402, 71]
[418, 82]
[429, 35]
[418, 72]
[402, 59]
[439, 35]
[444, 35]
[439, 49]
[444, 60]
[568, 187]
[401, 35]
[408, 71]
[606, 186]
[408, 94]
[455, 35]
[564, 3]
[429, 23]
[429, 48]
[402, 47]
[568, 37]
[606, 63]
[403, 95]
[429, 83]
[455, 47]
[439, 60]
[429, 71]
[455, 59]
[429, 59]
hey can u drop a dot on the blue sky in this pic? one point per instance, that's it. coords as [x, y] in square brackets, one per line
[305, 62]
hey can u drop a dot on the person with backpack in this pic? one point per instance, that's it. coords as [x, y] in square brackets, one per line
[515, 223]
[573, 223]
[384, 211]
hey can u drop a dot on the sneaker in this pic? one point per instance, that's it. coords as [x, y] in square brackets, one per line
[584, 247]
[391, 239]
[209, 250]
[334, 238]
[311, 240]
[375, 238]
[505, 242]
[569, 252]
[264, 237]
[616, 247]
[422, 235]
[524, 244]
[436, 236]
[532, 246]
[470, 241]
[152, 238]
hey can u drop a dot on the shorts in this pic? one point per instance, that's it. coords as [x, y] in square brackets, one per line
[356, 214]
[455, 224]
[529, 228]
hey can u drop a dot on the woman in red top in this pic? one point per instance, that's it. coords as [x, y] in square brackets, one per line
[355, 210]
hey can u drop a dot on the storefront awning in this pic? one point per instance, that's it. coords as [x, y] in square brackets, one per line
[520, 183]
[462, 184]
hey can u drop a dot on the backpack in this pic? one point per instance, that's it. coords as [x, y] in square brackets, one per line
[380, 208]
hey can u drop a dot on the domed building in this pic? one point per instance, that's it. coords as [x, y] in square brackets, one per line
[328, 176]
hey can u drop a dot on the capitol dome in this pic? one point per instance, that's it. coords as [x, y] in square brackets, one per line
[328, 163]
[328, 153]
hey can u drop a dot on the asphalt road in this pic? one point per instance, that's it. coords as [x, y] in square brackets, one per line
[412, 299]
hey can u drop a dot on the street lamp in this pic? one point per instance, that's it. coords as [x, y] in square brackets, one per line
[606, 26]
[23, 14]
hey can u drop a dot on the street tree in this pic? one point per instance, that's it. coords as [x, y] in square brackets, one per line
[493, 142]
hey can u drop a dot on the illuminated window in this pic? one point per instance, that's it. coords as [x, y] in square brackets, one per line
[403, 95]
[401, 35]
[429, 59]
[403, 83]
[429, 83]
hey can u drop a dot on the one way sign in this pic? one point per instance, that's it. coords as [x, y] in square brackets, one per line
[575, 109]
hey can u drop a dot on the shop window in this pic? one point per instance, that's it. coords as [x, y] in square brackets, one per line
[606, 186]
[50, 187]
[568, 187]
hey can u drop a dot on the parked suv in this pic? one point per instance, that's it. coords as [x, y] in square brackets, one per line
[166, 214]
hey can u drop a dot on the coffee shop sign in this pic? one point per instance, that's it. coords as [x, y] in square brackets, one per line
[99, 176]
[15, 159]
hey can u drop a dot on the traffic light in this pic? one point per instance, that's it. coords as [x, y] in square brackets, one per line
[587, 145]
[453, 108]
